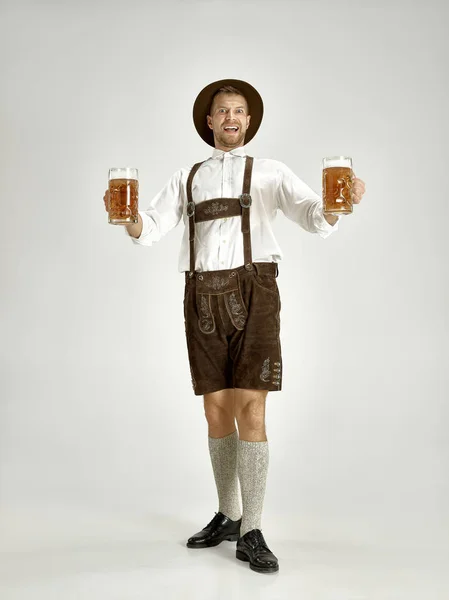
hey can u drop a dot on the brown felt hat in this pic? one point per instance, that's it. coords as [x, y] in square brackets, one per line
[203, 103]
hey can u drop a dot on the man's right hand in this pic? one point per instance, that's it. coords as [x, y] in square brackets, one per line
[134, 229]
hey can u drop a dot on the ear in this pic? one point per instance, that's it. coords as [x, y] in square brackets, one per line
[209, 122]
[248, 120]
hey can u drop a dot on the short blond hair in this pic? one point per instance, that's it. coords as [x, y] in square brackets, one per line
[228, 89]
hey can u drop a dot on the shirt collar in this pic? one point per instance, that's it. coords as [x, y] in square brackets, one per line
[236, 152]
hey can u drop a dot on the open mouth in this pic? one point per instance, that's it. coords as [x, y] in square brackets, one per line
[231, 129]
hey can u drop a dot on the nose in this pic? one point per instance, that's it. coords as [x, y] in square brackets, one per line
[230, 115]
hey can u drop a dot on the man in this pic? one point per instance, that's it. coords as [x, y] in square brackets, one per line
[231, 303]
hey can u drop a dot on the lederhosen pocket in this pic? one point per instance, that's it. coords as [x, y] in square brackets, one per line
[224, 283]
[267, 282]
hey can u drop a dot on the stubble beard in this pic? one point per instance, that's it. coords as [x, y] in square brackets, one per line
[224, 140]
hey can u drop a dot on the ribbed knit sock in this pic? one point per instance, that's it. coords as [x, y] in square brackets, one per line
[223, 454]
[252, 469]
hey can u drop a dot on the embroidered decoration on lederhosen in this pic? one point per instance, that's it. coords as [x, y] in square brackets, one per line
[226, 285]
[218, 283]
[265, 372]
[236, 309]
[206, 322]
[216, 209]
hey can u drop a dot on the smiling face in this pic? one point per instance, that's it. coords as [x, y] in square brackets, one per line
[229, 121]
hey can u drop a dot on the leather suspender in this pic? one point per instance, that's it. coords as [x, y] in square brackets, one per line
[219, 208]
[191, 215]
[245, 201]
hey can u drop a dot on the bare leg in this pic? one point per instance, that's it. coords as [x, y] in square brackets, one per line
[219, 409]
[250, 414]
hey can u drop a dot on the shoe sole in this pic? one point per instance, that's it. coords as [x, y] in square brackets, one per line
[230, 538]
[242, 556]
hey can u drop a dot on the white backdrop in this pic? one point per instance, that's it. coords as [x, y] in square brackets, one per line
[100, 430]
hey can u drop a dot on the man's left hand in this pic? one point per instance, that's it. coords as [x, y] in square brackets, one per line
[358, 189]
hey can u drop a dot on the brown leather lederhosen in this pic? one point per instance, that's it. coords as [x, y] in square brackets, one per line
[226, 283]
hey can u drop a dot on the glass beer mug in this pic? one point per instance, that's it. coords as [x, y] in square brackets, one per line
[123, 195]
[337, 185]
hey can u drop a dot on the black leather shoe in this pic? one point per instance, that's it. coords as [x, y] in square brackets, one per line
[220, 528]
[252, 548]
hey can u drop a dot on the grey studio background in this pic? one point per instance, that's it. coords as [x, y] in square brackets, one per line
[102, 439]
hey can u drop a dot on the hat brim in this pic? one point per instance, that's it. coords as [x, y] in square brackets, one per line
[201, 108]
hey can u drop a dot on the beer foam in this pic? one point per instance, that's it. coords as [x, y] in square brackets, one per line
[337, 161]
[123, 173]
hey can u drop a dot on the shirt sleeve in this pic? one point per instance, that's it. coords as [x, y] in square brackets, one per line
[163, 213]
[301, 204]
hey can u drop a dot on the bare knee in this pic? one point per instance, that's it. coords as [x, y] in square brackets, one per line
[250, 414]
[220, 412]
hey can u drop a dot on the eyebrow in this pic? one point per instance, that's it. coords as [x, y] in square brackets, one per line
[223, 106]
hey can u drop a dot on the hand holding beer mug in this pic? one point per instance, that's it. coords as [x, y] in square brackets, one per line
[121, 199]
[338, 180]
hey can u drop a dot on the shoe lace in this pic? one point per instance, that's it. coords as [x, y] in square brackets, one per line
[212, 522]
[257, 541]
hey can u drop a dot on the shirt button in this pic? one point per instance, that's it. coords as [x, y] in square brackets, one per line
[222, 262]
[224, 241]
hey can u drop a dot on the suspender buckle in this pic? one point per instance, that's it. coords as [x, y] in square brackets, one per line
[245, 200]
[190, 209]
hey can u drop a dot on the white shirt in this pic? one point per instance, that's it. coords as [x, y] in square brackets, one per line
[219, 243]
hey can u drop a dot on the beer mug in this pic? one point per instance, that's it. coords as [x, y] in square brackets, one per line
[123, 196]
[337, 185]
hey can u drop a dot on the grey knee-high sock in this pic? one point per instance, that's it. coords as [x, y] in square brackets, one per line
[252, 468]
[223, 454]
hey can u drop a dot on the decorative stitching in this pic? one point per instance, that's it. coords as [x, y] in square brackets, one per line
[265, 372]
[206, 320]
[216, 208]
[205, 307]
[217, 282]
[237, 310]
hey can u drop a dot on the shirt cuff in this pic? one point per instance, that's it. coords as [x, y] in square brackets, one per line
[145, 235]
[324, 229]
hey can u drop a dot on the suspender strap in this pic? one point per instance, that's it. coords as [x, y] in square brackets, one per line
[245, 201]
[211, 209]
[247, 175]
[191, 215]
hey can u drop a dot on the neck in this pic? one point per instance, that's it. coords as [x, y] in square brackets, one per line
[227, 149]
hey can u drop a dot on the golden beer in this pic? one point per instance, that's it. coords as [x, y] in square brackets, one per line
[123, 196]
[337, 185]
